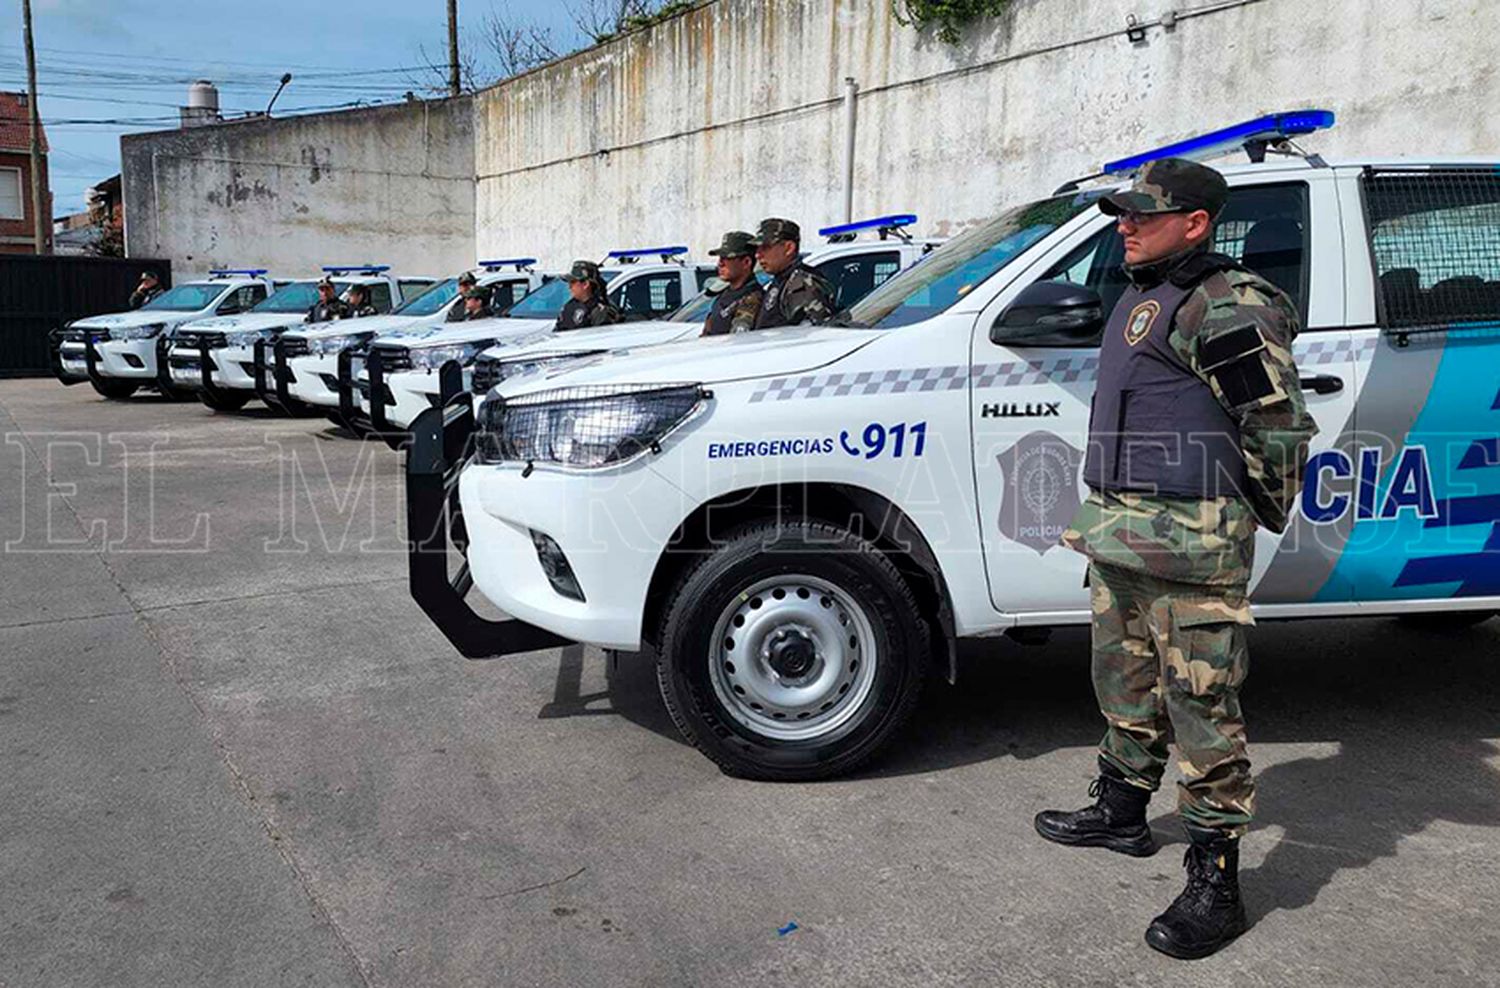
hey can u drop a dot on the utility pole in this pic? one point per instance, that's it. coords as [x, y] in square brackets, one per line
[40, 225]
[453, 80]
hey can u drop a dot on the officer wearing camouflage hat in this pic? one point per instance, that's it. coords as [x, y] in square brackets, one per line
[590, 303]
[329, 306]
[359, 304]
[1198, 435]
[466, 281]
[797, 293]
[476, 303]
[148, 289]
[736, 307]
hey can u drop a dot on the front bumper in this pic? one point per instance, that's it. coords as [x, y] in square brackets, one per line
[69, 358]
[128, 359]
[406, 394]
[228, 368]
[314, 378]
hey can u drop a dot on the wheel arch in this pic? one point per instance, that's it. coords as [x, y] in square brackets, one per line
[868, 514]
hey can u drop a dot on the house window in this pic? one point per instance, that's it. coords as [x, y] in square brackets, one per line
[12, 205]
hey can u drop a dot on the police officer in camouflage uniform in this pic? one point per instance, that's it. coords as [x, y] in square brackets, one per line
[737, 306]
[590, 303]
[359, 303]
[476, 304]
[329, 306]
[797, 293]
[1197, 436]
[458, 313]
[148, 289]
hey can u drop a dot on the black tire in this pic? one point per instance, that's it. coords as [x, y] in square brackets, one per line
[114, 390]
[887, 614]
[224, 401]
[1445, 620]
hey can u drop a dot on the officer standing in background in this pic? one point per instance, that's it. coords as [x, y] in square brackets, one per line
[736, 308]
[797, 293]
[458, 313]
[590, 303]
[359, 302]
[476, 304]
[1196, 373]
[148, 289]
[328, 307]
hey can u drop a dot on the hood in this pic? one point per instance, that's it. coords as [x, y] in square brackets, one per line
[617, 337]
[705, 359]
[505, 332]
[121, 320]
[239, 323]
[379, 325]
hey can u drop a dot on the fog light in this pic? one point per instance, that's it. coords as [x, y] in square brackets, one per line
[134, 361]
[555, 565]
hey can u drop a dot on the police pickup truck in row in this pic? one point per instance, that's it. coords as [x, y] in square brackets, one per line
[300, 367]
[118, 353]
[214, 357]
[852, 266]
[405, 362]
[801, 522]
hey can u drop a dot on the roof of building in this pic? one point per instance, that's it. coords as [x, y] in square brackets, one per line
[15, 125]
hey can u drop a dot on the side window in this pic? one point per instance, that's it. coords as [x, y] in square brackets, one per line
[240, 299]
[705, 273]
[1435, 238]
[1096, 263]
[649, 296]
[1264, 227]
[412, 289]
[380, 296]
[858, 275]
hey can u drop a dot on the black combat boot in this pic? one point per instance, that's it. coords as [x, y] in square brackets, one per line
[1208, 914]
[1117, 820]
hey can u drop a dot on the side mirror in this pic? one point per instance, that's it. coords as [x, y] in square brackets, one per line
[1051, 313]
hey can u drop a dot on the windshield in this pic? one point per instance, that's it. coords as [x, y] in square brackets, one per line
[186, 298]
[696, 308]
[954, 269]
[299, 296]
[430, 300]
[544, 303]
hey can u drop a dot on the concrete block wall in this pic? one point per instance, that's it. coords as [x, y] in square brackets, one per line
[392, 185]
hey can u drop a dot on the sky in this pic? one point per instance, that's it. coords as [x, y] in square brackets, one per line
[112, 67]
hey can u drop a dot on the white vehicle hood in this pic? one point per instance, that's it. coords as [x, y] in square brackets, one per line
[617, 337]
[240, 323]
[506, 333]
[704, 360]
[123, 320]
[378, 325]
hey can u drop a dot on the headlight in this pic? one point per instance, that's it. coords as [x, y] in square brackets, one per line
[247, 337]
[137, 332]
[433, 357]
[516, 366]
[330, 345]
[591, 426]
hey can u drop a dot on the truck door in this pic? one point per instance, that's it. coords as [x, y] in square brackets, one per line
[1424, 480]
[1030, 404]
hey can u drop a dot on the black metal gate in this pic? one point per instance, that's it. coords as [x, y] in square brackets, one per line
[40, 293]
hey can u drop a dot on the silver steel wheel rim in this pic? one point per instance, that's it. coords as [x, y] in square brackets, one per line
[792, 657]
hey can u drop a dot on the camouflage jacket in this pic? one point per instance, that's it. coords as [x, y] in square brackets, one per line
[581, 315]
[735, 310]
[364, 310]
[328, 311]
[797, 295]
[1213, 541]
[141, 296]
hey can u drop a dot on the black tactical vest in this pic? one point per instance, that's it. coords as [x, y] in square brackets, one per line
[721, 313]
[1155, 427]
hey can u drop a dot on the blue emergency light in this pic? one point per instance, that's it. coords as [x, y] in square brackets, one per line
[248, 272]
[356, 268]
[519, 262]
[1260, 131]
[885, 224]
[629, 256]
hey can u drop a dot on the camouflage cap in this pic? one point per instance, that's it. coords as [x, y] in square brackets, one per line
[467, 278]
[1170, 185]
[583, 271]
[736, 243]
[326, 282]
[483, 294]
[775, 230]
[148, 273]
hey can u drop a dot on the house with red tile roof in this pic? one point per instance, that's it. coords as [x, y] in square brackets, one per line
[17, 224]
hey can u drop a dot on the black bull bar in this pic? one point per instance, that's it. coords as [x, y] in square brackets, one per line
[273, 381]
[206, 366]
[439, 445]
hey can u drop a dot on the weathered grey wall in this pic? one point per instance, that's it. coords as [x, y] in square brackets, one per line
[729, 113]
[388, 185]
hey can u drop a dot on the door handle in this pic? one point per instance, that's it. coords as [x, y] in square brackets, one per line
[1323, 384]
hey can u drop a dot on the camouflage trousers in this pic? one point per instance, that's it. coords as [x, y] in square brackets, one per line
[1168, 661]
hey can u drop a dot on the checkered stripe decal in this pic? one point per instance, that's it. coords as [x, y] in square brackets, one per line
[1063, 370]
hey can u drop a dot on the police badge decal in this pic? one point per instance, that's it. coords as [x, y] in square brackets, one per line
[1041, 490]
[1142, 318]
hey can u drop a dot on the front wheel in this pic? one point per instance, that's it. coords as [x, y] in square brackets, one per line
[113, 389]
[794, 651]
[224, 401]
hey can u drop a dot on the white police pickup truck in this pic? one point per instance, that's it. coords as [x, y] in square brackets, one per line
[801, 522]
[854, 268]
[119, 353]
[406, 364]
[300, 368]
[215, 357]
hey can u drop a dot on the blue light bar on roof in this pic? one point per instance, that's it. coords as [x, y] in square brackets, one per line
[894, 222]
[1275, 127]
[662, 252]
[518, 262]
[356, 268]
[250, 272]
